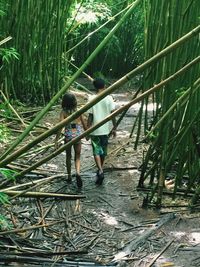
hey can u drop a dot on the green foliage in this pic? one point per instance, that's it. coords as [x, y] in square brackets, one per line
[180, 91]
[4, 134]
[8, 54]
[4, 224]
[5, 111]
[4, 198]
[125, 49]
[2, 8]
[8, 174]
[98, 74]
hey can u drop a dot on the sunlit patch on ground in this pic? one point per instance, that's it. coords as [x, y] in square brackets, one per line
[178, 235]
[108, 219]
[51, 166]
[193, 237]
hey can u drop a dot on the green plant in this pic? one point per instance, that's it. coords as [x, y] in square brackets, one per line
[2, 8]
[4, 198]
[4, 224]
[8, 174]
[8, 54]
[4, 134]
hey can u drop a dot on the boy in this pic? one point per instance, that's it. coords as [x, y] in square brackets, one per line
[99, 138]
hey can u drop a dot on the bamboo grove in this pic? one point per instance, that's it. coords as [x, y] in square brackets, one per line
[49, 36]
[169, 75]
[37, 30]
[173, 131]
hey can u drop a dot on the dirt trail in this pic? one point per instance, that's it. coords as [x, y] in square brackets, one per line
[110, 218]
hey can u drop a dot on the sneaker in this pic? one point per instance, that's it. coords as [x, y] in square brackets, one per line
[79, 181]
[100, 177]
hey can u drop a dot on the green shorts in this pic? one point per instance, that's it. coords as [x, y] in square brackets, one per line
[99, 144]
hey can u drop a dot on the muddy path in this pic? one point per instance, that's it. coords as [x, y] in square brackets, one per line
[109, 219]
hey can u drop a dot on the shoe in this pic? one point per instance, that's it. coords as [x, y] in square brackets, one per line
[100, 177]
[69, 179]
[79, 181]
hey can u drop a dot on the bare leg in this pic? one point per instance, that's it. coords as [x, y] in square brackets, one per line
[102, 161]
[77, 157]
[68, 163]
[77, 152]
[98, 161]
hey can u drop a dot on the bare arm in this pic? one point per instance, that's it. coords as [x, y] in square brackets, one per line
[90, 120]
[84, 124]
[113, 132]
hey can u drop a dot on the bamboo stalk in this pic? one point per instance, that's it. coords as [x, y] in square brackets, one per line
[21, 230]
[160, 253]
[43, 195]
[35, 182]
[5, 40]
[172, 140]
[12, 109]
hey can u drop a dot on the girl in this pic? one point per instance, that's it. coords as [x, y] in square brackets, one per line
[72, 130]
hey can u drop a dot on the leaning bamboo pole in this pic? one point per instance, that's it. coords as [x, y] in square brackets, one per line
[71, 80]
[107, 91]
[108, 118]
[5, 40]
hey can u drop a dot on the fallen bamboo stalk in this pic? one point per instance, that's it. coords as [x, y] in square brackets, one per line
[84, 226]
[41, 209]
[115, 168]
[40, 260]
[134, 244]
[159, 254]
[39, 253]
[20, 166]
[46, 213]
[34, 186]
[21, 230]
[25, 121]
[12, 108]
[36, 182]
[43, 195]
[179, 192]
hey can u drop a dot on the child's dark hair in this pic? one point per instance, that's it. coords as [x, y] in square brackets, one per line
[69, 101]
[99, 83]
